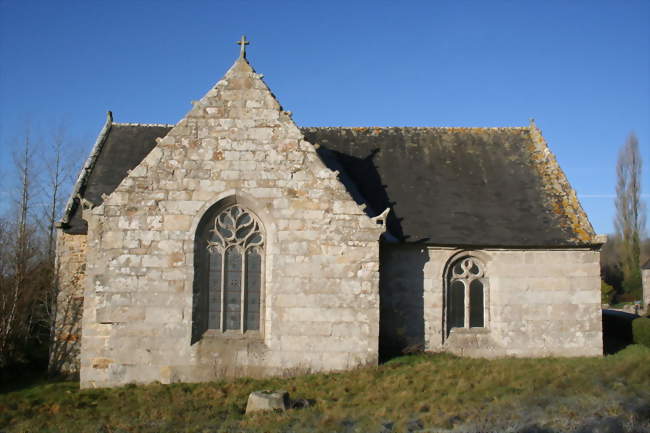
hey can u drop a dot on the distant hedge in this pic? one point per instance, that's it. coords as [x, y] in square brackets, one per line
[641, 331]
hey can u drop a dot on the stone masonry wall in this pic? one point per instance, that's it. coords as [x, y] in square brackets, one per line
[645, 279]
[401, 290]
[71, 267]
[320, 306]
[539, 302]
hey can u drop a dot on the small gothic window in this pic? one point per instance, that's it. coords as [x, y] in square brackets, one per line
[466, 294]
[228, 271]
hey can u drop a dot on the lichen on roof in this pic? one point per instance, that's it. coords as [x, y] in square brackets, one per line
[561, 197]
[459, 186]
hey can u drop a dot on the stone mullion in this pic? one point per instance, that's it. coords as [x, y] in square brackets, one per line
[262, 292]
[222, 311]
[485, 304]
[242, 308]
[466, 283]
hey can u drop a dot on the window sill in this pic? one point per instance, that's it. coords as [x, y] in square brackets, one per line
[469, 331]
[233, 335]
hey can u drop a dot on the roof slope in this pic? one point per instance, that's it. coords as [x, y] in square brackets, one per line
[445, 186]
[459, 186]
[119, 148]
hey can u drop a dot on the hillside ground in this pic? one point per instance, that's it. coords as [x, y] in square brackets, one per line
[436, 392]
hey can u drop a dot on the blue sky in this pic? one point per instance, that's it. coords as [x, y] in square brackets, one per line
[580, 68]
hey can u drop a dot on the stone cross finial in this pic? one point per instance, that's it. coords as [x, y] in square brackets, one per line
[242, 44]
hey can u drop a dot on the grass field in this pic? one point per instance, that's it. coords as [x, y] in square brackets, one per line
[413, 393]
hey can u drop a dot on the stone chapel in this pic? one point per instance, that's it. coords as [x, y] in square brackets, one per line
[238, 243]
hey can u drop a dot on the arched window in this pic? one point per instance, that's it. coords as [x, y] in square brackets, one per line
[229, 260]
[466, 284]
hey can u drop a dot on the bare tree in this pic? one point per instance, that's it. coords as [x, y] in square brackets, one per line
[56, 174]
[28, 291]
[630, 221]
[59, 167]
[17, 292]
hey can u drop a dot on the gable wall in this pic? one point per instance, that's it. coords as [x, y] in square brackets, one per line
[539, 302]
[321, 301]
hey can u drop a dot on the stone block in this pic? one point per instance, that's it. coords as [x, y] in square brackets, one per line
[180, 195]
[177, 222]
[151, 261]
[128, 223]
[112, 314]
[118, 198]
[206, 194]
[143, 236]
[267, 400]
[347, 207]
[170, 246]
[163, 314]
[112, 239]
[153, 223]
[266, 192]
[174, 274]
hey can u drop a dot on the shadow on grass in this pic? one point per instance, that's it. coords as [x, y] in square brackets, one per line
[20, 377]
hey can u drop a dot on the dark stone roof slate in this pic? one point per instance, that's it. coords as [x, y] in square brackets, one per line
[444, 186]
[122, 149]
[456, 186]
[646, 265]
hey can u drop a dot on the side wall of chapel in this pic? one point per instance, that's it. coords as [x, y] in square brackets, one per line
[71, 267]
[320, 300]
[537, 302]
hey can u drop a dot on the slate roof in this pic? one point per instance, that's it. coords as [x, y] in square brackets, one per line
[646, 265]
[119, 148]
[482, 187]
[459, 186]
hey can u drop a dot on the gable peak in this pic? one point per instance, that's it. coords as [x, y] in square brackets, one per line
[240, 66]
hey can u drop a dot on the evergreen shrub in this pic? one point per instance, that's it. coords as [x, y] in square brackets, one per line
[632, 283]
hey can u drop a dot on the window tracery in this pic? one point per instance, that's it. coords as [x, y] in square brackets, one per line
[466, 285]
[235, 245]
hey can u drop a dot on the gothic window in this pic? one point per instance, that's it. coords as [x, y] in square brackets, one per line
[228, 272]
[466, 284]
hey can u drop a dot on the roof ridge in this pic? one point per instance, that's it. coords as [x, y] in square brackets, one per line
[143, 124]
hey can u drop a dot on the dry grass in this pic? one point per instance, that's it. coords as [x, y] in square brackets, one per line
[420, 391]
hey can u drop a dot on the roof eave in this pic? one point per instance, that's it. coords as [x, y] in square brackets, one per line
[472, 246]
